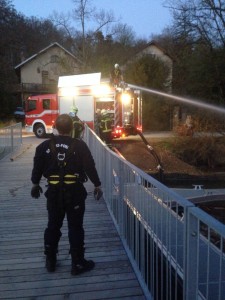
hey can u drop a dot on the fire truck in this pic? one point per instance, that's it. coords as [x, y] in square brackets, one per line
[90, 94]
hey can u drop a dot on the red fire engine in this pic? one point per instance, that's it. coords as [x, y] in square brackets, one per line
[90, 94]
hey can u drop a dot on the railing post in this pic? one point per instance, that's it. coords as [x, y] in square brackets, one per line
[121, 199]
[21, 134]
[11, 139]
[11, 132]
[191, 252]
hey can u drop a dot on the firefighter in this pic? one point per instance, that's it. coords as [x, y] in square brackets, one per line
[78, 125]
[63, 161]
[97, 121]
[189, 128]
[116, 76]
[105, 128]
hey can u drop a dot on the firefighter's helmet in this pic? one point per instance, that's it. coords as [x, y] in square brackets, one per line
[105, 112]
[73, 112]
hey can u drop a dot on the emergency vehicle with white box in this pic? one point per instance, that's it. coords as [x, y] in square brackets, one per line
[89, 93]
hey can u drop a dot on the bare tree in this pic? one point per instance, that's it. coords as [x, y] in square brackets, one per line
[124, 34]
[84, 12]
[203, 19]
[90, 22]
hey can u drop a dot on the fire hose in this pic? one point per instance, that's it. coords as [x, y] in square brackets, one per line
[154, 154]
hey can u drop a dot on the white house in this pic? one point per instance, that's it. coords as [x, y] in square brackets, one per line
[43, 69]
[154, 50]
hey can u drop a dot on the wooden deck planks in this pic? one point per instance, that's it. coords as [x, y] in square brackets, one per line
[22, 223]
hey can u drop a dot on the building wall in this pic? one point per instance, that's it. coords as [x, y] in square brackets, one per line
[159, 54]
[54, 62]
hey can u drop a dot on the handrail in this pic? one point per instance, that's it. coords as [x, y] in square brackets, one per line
[10, 139]
[176, 249]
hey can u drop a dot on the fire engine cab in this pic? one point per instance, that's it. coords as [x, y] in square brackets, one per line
[90, 94]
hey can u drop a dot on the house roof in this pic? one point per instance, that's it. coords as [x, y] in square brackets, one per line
[55, 44]
[153, 43]
[136, 55]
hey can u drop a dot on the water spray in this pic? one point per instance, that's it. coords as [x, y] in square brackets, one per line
[178, 98]
[182, 99]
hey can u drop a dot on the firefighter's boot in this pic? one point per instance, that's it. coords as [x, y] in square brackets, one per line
[79, 263]
[51, 259]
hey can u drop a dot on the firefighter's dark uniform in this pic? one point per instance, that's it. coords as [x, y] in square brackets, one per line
[78, 127]
[116, 77]
[66, 195]
[105, 128]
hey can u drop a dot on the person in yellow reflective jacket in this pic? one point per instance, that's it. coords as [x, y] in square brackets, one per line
[78, 125]
[116, 76]
[65, 162]
[106, 127]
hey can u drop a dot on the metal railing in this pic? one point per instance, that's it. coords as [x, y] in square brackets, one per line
[176, 249]
[36, 88]
[10, 139]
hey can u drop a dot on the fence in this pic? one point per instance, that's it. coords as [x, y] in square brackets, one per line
[176, 249]
[10, 139]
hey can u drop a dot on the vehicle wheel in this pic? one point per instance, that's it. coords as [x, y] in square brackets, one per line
[39, 131]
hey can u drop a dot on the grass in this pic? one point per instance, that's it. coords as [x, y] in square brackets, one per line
[204, 152]
[7, 123]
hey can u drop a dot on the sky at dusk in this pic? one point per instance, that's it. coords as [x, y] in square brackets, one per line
[146, 17]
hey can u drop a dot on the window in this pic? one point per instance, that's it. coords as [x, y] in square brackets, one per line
[54, 59]
[44, 74]
[44, 77]
[31, 105]
[46, 103]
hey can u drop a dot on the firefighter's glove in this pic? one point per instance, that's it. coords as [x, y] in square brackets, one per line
[98, 193]
[36, 191]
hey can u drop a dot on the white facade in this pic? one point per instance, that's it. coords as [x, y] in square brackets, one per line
[46, 66]
[157, 52]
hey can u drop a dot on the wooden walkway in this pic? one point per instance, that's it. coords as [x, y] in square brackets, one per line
[22, 223]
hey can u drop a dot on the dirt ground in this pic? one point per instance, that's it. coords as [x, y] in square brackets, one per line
[137, 153]
[174, 170]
